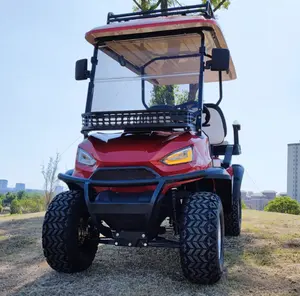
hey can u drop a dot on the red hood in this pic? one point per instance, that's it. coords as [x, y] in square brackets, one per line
[144, 150]
[134, 148]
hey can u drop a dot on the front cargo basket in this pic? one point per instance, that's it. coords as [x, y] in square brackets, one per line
[138, 120]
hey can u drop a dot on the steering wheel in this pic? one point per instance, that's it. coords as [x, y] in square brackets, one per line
[194, 104]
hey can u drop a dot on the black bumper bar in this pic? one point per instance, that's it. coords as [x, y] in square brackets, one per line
[124, 206]
[211, 173]
[144, 208]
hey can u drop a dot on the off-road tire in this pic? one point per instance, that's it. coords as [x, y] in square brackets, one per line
[233, 218]
[60, 237]
[200, 240]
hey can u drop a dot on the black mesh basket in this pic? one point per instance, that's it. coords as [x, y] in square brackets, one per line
[141, 119]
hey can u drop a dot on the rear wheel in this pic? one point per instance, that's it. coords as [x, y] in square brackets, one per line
[70, 241]
[233, 218]
[201, 238]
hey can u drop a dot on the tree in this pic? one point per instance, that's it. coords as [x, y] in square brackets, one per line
[283, 204]
[168, 94]
[154, 4]
[145, 5]
[217, 4]
[50, 178]
[9, 197]
[21, 194]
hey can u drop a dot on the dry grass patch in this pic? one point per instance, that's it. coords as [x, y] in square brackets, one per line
[264, 260]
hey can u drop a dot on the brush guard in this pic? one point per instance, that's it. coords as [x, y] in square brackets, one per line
[146, 206]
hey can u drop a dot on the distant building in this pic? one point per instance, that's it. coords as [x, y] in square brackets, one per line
[243, 194]
[20, 187]
[3, 184]
[269, 194]
[293, 171]
[283, 194]
[257, 201]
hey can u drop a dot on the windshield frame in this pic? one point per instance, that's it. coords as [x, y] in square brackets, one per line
[202, 53]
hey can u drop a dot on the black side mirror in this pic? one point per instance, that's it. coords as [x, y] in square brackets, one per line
[81, 70]
[220, 60]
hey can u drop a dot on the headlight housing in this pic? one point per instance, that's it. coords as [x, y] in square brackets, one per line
[85, 158]
[181, 156]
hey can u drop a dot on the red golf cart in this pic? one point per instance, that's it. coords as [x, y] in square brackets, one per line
[154, 159]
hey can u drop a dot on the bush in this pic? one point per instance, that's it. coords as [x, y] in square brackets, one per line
[32, 205]
[23, 202]
[2, 196]
[1, 208]
[15, 207]
[244, 205]
[283, 204]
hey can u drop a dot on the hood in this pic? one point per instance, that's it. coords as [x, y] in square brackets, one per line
[136, 149]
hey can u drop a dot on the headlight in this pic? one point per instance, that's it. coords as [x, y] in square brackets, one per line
[182, 156]
[84, 158]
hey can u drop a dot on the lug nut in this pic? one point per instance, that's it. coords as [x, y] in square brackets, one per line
[116, 243]
[130, 244]
[145, 245]
[143, 235]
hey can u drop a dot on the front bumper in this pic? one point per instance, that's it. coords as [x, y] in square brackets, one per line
[132, 214]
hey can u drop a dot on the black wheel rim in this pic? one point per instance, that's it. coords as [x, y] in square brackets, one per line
[220, 243]
[219, 240]
[83, 231]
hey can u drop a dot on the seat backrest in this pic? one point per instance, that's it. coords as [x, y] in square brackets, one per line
[217, 129]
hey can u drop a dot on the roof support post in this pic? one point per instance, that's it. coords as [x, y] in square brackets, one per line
[202, 52]
[94, 61]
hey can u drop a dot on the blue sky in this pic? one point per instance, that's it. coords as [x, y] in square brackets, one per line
[41, 103]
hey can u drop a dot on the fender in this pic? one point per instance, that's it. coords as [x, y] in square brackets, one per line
[238, 173]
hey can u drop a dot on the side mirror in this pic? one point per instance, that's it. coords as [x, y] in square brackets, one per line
[81, 70]
[220, 60]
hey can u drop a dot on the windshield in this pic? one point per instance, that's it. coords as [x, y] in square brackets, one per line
[117, 88]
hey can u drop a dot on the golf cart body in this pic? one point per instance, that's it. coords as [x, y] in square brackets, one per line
[136, 166]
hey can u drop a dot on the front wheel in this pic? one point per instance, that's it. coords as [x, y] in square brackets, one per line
[201, 238]
[70, 240]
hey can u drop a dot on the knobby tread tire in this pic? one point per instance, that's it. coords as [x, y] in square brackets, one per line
[233, 217]
[199, 238]
[60, 234]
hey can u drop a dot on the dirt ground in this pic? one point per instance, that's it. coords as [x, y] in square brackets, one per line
[265, 260]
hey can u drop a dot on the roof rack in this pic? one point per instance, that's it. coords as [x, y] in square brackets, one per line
[201, 9]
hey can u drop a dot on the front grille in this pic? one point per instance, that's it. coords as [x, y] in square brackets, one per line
[109, 174]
